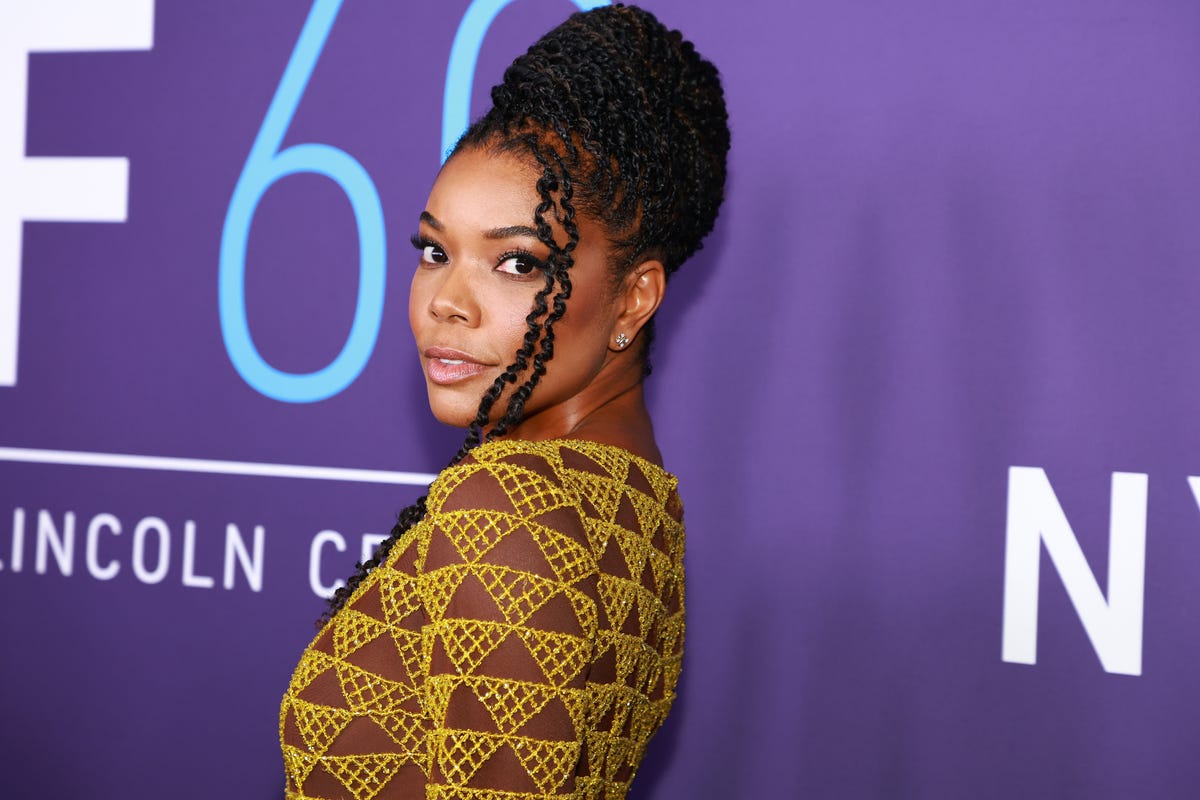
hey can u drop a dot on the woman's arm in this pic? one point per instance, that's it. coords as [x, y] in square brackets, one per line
[509, 589]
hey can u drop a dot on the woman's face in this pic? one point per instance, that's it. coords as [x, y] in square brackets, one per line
[475, 283]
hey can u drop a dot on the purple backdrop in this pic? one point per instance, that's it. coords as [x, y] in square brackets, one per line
[960, 237]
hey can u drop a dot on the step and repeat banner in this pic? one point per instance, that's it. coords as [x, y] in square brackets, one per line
[930, 388]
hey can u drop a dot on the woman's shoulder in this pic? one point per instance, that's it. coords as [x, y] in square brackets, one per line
[531, 479]
[548, 464]
[563, 501]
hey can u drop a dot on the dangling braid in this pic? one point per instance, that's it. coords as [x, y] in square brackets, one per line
[558, 266]
[629, 127]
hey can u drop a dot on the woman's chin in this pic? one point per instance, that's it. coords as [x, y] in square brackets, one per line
[452, 410]
[455, 418]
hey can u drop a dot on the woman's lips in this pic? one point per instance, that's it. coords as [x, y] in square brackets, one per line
[445, 365]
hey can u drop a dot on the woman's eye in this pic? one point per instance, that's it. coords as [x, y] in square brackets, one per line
[432, 254]
[517, 265]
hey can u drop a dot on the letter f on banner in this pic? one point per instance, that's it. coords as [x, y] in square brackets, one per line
[54, 189]
[1035, 516]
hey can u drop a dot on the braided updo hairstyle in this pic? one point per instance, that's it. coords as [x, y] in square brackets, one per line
[627, 125]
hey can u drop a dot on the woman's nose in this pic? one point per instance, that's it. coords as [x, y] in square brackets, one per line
[454, 299]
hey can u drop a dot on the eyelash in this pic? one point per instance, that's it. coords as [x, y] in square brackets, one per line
[536, 264]
[421, 243]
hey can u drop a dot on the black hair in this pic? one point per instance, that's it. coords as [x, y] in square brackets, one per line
[627, 125]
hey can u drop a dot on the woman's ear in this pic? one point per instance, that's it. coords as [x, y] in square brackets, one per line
[639, 297]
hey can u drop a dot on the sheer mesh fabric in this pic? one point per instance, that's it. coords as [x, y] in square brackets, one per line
[522, 642]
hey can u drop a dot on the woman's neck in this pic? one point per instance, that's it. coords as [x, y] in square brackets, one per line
[614, 413]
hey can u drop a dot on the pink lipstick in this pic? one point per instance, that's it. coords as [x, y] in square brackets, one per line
[446, 366]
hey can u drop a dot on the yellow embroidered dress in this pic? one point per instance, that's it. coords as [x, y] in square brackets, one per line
[521, 642]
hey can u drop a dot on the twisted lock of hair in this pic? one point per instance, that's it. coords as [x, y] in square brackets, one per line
[628, 125]
[558, 267]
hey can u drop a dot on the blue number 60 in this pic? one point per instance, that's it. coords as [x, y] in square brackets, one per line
[267, 164]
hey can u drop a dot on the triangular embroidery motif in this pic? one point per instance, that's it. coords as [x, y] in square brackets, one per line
[620, 712]
[352, 630]
[645, 720]
[614, 461]
[397, 595]
[436, 699]
[670, 633]
[530, 493]
[475, 532]
[618, 598]
[407, 730]
[460, 755]
[603, 698]
[674, 539]
[650, 514]
[469, 641]
[517, 594]
[598, 534]
[319, 725]
[633, 548]
[449, 480]
[660, 569]
[585, 610]
[439, 587]
[600, 492]
[408, 648]
[649, 608]
[511, 703]
[364, 775]
[647, 661]
[549, 764]
[312, 664]
[651, 673]
[560, 655]
[597, 751]
[576, 701]
[570, 561]
[366, 692]
[628, 650]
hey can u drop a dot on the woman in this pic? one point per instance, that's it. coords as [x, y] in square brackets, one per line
[519, 634]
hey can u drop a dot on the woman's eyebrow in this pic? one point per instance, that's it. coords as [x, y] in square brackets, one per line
[511, 231]
[507, 232]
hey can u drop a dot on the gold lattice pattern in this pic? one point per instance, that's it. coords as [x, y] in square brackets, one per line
[522, 642]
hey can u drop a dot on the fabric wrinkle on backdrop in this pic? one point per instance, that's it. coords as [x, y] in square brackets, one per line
[928, 388]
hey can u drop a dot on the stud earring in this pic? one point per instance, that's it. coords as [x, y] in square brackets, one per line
[622, 340]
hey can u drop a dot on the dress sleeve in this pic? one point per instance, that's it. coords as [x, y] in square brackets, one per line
[509, 589]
